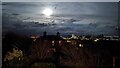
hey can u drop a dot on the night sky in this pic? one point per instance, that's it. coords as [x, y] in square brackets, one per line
[90, 18]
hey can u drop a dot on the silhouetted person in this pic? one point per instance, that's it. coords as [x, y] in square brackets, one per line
[58, 34]
[44, 33]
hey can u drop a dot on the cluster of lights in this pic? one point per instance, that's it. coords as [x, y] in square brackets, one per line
[80, 45]
[96, 40]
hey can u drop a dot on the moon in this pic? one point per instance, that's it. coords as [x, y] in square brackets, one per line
[47, 12]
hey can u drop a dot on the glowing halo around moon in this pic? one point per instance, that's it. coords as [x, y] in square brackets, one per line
[47, 12]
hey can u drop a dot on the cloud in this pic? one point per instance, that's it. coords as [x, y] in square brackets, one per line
[69, 20]
[85, 26]
[15, 14]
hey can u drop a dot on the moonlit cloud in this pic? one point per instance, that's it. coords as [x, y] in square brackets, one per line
[70, 17]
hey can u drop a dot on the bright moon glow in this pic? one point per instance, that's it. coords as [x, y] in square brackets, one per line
[47, 12]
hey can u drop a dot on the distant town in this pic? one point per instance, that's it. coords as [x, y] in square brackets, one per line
[82, 37]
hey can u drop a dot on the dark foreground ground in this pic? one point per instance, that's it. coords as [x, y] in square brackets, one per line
[22, 51]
